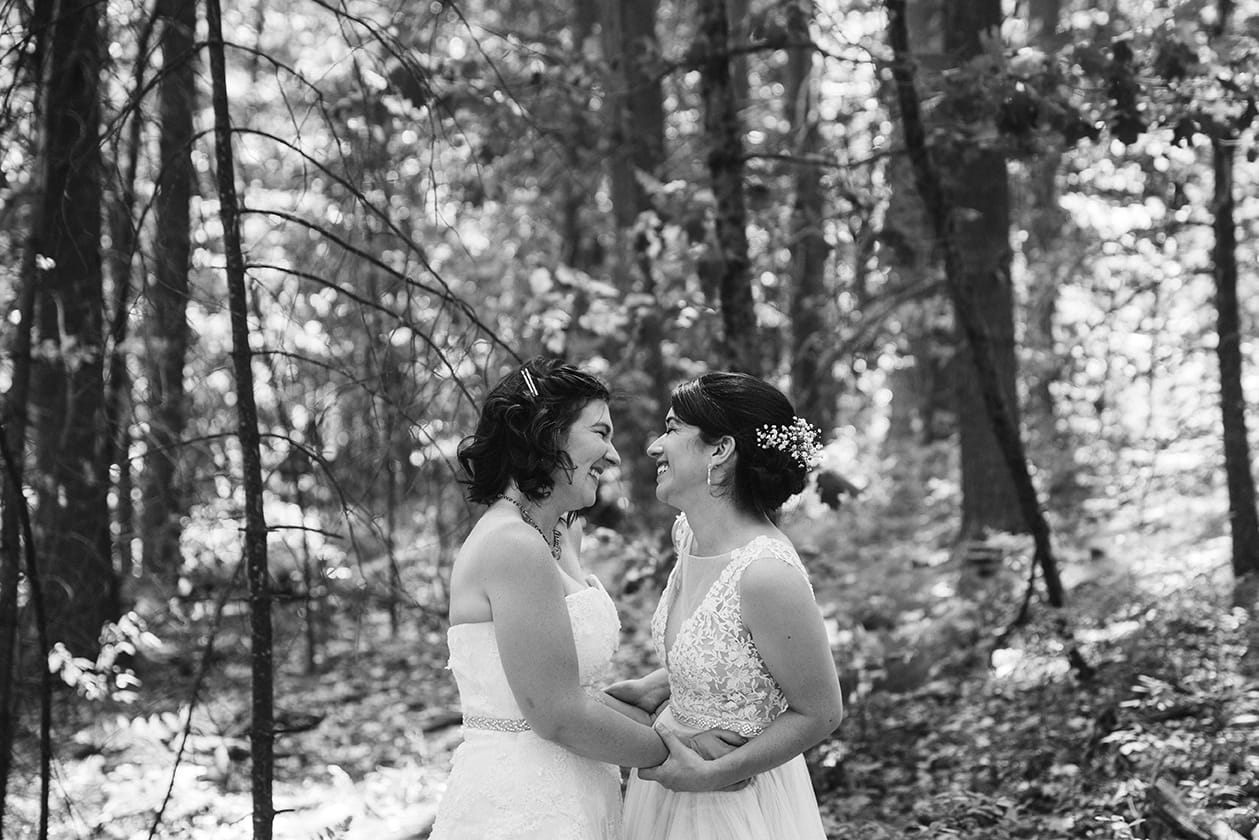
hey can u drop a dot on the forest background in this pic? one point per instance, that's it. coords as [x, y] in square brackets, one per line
[261, 263]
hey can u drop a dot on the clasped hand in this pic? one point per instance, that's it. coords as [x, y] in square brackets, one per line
[689, 765]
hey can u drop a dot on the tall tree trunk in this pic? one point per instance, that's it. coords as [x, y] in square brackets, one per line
[67, 394]
[980, 190]
[636, 104]
[737, 15]
[1241, 484]
[919, 395]
[580, 249]
[10, 575]
[262, 730]
[11, 470]
[123, 236]
[1044, 228]
[988, 498]
[941, 212]
[813, 385]
[13, 426]
[164, 496]
[1242, 515]
[739, 348]
[378, 363]
[12, 515]
[1243, 519]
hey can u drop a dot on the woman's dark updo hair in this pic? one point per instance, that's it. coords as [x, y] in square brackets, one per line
[736, 404]
[520, 436]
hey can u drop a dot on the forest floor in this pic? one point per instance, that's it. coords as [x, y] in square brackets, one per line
[956, 726]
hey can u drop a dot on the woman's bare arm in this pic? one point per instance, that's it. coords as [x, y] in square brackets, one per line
[535, 643]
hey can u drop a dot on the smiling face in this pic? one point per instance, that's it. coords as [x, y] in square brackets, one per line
[589, 446]
[681, 457]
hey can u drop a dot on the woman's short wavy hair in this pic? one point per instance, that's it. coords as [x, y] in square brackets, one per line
[736, 404]
[520, 435]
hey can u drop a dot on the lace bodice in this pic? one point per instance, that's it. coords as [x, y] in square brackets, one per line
[478, 669]
[716, 676]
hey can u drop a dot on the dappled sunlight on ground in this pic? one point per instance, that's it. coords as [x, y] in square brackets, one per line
[958, 722]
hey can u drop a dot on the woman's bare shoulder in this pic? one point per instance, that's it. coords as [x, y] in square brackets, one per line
[499, 545]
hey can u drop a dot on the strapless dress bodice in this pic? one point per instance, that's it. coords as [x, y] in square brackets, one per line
[478, 668]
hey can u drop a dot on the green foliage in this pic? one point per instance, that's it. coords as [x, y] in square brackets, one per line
[109, 676]
[1132, 70]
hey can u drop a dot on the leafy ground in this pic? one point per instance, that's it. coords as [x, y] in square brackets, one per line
[953, 729]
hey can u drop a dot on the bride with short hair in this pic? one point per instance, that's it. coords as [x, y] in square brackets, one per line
[531, 634]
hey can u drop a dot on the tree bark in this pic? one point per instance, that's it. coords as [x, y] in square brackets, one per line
[636, 104]
[17, 538]
[13, 513]
[1044, 230]
[164, 498]
[262, 730]
[979, 189]
[67, 393]
[10, 576]
[988, 498]
[739, 347]
[737, 15]
[13, 426]
[123, 236]
[581, 249]
[11, 477]
[922, 400]
[941, 212]
[1242, 516]
[813, 385]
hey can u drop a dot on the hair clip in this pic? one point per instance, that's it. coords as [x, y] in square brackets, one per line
[529, 383]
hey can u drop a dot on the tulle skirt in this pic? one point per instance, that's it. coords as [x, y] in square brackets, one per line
[777, 805]
[517, 786]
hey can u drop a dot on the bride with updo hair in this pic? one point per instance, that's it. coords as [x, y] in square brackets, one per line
[747, 682]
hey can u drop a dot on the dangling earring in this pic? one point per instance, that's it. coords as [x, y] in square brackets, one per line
[710, 475]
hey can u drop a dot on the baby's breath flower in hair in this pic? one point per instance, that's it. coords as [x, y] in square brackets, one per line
[800, 439]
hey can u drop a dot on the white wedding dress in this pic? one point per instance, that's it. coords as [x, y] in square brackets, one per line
[717, 679]
[505, 782]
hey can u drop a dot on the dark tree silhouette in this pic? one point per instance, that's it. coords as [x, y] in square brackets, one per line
[164, 492]
[813, 386]
[261, 730]
[1242, 516]
[67, 393]
[740, 347]
[976, 178]
[635, 106]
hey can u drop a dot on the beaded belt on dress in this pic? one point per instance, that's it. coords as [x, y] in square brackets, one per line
[496, 724]
[702, 721]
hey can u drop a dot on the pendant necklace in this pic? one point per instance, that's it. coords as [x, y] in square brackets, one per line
[553, 543]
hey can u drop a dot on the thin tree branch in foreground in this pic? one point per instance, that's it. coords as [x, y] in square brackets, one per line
[262, 729]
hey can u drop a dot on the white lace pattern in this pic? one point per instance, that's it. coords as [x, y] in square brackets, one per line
[716, 676]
